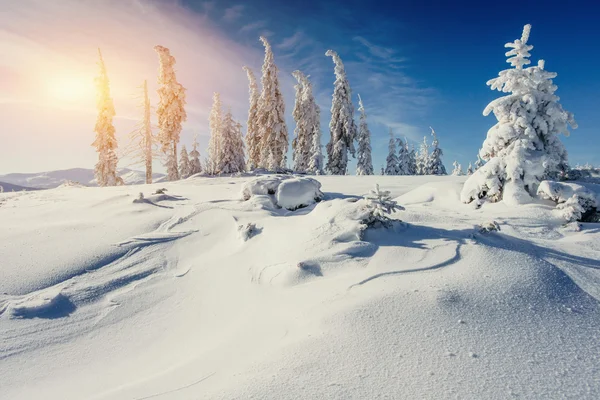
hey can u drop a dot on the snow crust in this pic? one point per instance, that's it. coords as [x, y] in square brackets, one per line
[104, 298]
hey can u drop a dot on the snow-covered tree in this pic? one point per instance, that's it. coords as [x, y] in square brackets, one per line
[272, 129]
[364, 165]
[341, 127]
[238, 148]
[171, 110]
[252, 139]
[422, 159]
[523, 148]
[215, 122]
[479, 163]
[391, 167]
[105, 141]
[412, 158]
[195, 165]
[232, 146]
[403, 158]
[382, 170]
[142, 145]
[300, 143]
[185, 169]
[434, 163]
[379, 206]
[312, 115]
[457, 171]
[470, 169]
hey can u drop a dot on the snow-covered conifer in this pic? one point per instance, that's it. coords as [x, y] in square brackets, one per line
[195, 165]
[391, 167]
[479, 163]
[422, 159]
[523, 148]
[232, 146]
[470, 169]
[105, 141]
[403, 158]
[312, 115]
[171, 110]
[239, 153]
[434, 163]
[215, 122]
[184, 164]
[342, 127]
[300, 143]
[412, 158]
[142, 145]
[457, 171]
[365, 163]
[272, 129]
[252, 139]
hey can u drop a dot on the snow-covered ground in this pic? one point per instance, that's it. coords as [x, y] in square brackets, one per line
[102, 297]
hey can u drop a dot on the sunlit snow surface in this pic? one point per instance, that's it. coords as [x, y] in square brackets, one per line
[102, 297]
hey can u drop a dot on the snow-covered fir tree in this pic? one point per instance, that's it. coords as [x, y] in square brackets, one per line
[185, 169]
[300, 143]
[215, 122]
[312, 116]
[412, 158]
[364, 165]
[171, 110]
[403, 158]
[470, 169]
[238, 148]
[195, 165]
[422, 159]
[341, 127]
[391, 166]
[479, 163]
[382, 170]
[252, 135]
[105, 141]
[435, 166]
[272, 129]
[523, 148]
[142, 145]
[457, 171]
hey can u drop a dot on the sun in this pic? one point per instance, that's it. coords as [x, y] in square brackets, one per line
[70, 88]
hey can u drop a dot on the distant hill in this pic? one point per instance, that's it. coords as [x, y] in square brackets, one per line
[9, 187]
[52, 179]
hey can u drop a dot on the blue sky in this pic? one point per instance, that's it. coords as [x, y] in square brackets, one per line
[416, 64]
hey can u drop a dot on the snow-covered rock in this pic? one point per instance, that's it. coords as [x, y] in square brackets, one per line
[575, 201]
[298, 192]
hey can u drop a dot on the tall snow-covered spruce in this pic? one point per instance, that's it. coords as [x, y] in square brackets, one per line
[142, 140]
[252, 134]
[412, 158]
[308, 156]
[391, 166]
[231, 146]
[184, 164]
[272, 129]
[215, 122]
[422, 159]
[195, 164]
[434, 163]
[364, 165]
[300, 143]
[404, 167]
[523, 148]
[342, 128]
[171, 110]
[105, 141]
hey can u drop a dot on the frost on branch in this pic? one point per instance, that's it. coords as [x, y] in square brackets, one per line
[575, 202]
[379, 206]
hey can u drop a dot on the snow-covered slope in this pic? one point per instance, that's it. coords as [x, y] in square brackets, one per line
[107, 298]
[52, 179]
[9, 187]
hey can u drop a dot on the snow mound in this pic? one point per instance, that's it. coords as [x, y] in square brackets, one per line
[288, 191]
[575, 202]
[46, 304]
[298, 192]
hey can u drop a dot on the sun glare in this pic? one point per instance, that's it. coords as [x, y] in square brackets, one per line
[70, 88]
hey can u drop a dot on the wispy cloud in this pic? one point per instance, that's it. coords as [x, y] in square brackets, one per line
[253, 26]
[233, 13]
[381, 52]
[293, 41]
